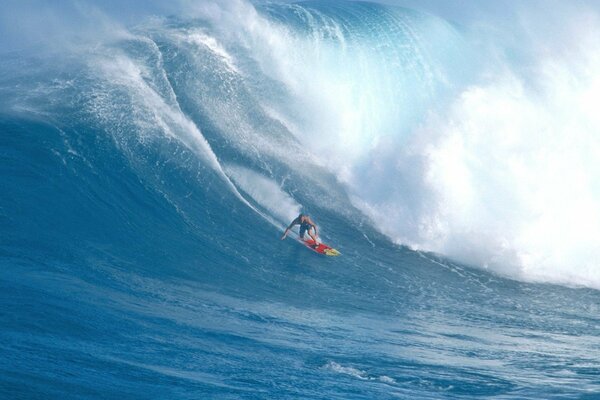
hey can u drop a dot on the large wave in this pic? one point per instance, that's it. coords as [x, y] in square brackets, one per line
[483, 152]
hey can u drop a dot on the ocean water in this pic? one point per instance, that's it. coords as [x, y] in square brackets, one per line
[147, 171]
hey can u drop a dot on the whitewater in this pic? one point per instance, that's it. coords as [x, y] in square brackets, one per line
[152, 155]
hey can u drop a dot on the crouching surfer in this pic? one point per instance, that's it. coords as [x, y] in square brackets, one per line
[306, 226]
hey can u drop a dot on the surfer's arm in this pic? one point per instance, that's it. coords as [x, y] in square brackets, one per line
[294, 222]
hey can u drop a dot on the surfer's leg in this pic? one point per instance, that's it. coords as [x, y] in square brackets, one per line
[302, 232]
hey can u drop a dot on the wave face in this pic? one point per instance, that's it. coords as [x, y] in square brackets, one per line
[147, 174]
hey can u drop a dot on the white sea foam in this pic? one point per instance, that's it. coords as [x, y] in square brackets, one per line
[508, 177]
[152, 113]
[357, 373]
[152, 109]
[505, 177]
[199, 38]
[266, 192]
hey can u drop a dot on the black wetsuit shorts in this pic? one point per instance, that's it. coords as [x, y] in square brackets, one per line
[304, 227]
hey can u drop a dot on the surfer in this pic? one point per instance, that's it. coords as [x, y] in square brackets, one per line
[306, 226]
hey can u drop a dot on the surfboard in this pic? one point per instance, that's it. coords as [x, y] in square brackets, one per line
[321, 248]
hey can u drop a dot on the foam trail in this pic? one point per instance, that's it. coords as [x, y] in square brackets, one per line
[265, 192]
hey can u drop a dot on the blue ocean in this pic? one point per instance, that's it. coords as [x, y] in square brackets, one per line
[151, 156]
